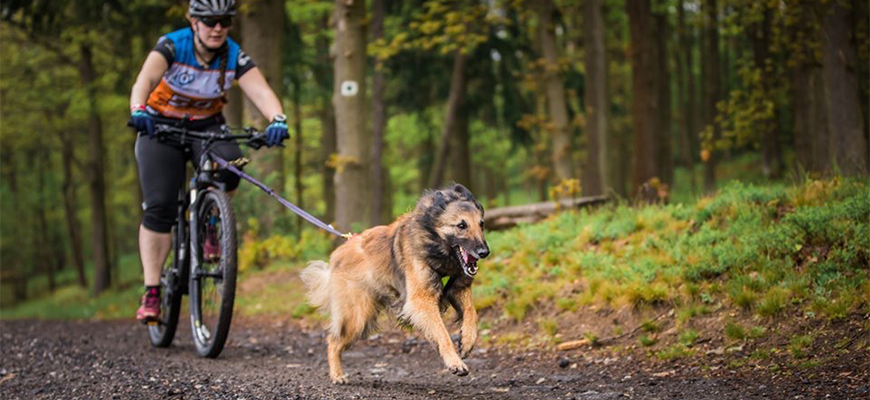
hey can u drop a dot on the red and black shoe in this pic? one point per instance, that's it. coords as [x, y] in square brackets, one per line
[149, 311]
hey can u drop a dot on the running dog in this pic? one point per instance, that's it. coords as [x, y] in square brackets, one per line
[400, 267]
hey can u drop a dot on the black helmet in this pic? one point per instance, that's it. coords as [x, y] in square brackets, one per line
[211, 8]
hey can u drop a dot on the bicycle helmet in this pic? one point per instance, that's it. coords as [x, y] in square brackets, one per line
[211, 8]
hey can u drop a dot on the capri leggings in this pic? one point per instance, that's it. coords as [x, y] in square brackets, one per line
[162, 171]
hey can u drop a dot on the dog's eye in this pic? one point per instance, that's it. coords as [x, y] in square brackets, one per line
[481, 224]
[462, 225]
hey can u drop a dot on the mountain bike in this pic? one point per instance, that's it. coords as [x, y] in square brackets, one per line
[204, 217]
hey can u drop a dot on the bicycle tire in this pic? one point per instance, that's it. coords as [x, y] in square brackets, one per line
[210, 331]
[162, 333]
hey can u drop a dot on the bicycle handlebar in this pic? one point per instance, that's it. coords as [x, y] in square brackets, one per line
[254, 138]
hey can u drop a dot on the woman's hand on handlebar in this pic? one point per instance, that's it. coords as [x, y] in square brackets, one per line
[276, 132]
[142, 121]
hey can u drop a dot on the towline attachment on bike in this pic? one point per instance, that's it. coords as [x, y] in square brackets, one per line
[255, 141]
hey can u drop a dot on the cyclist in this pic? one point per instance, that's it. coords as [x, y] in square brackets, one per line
[183, 82]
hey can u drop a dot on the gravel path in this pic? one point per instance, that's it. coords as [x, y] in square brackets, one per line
[113, 360]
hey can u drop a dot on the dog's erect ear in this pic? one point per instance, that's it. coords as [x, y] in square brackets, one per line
[466, 195]
[439, 201]
[463, 191]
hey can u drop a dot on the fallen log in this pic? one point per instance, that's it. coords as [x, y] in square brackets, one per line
[507, 217]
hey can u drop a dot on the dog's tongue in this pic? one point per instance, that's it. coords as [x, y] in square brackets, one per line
[469, 259]
[470, 262]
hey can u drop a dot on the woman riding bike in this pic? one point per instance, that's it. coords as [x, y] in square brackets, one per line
[183, 83]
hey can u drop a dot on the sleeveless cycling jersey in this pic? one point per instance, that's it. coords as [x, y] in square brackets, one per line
[189, 90]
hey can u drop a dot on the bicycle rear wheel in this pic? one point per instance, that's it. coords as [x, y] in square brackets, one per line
[213, 272]
[162, 332]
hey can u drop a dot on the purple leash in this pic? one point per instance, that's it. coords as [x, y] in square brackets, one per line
[300, 212]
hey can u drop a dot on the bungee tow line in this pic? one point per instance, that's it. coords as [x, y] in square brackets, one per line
[300, 212]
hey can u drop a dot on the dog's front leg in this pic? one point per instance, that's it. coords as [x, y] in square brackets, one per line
[468, 331]
[422, 310]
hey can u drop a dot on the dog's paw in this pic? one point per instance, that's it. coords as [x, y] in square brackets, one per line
[461, 369]
[466, 344]
[339, 380]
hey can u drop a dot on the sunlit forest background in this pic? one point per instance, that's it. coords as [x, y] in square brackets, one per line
[523, 101]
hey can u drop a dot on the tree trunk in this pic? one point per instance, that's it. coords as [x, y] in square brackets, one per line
[596, 173]
[461, 154]
[711, 87]
[262, 38]
[455, 101]
[297, 156]
[664, 136]
[324, 76]
[810, 119]
[353, 175]
[379, 123]
[686, 83]
[69, 206]
[234, 110]
[556, 106]
[770, 148]
[647, 108]
[96, 180]
[848, 143]
[46, 252]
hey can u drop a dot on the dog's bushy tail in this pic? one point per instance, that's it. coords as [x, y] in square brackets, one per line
[316, 278]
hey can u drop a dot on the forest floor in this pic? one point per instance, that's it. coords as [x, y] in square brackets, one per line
[268, 358]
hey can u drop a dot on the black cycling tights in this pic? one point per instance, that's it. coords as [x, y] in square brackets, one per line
[162, 172]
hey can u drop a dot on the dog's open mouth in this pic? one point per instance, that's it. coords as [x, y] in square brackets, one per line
[468, 261]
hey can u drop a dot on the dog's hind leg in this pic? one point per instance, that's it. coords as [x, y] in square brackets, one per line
[353, 310]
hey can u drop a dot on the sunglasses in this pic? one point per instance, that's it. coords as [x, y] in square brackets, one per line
[211, 22]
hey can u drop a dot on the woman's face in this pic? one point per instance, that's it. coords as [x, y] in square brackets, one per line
[215, 35]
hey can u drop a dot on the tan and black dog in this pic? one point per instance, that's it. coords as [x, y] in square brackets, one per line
[400, 268]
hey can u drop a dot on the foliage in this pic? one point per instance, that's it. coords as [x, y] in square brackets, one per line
[761, 248]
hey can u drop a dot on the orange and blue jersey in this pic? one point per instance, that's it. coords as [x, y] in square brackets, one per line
[189, 90]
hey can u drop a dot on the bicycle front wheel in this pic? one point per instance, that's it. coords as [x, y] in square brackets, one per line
[213, 272]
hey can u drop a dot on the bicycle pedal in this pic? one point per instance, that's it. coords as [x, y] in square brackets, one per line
[152, 323]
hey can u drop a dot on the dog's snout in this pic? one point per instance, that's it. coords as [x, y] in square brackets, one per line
[483, 251]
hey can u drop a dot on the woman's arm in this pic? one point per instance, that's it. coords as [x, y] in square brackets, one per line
[153, 68]
[258, 91]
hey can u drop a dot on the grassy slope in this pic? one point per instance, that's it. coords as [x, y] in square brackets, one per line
[728, 266]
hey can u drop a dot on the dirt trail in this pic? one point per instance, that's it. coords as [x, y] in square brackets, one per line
[113, 360]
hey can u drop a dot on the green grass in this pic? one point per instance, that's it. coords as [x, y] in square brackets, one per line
[688, 337]
[735, 331]
[71, 301]
[759, 248]
[647, 341]
[674, 352]
[799, 344]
